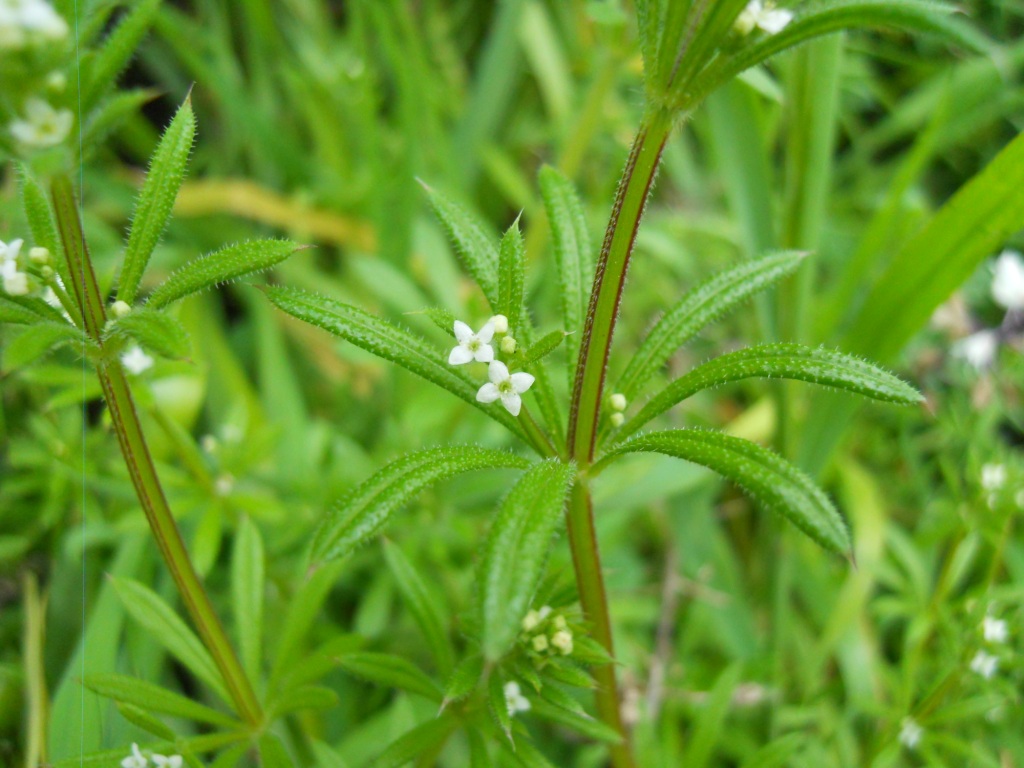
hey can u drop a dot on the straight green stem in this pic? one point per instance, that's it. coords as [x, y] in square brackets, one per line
[132, 441]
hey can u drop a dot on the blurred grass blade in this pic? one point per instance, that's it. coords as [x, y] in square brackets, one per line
[156, 200]
[154, 698]
[116, 51]
[391, 672]
[697, 309]
[163, 624]
[157, 331]
[770, 480]
[463, 679]
[707, 730]
[387, 341]
[28, 310]
[368, 508]
[516, 550]
[576, 721]
[424, 605]
[497, 703]
[780, 361]
[474, 247]
[422, 743]
[511, 276]
[219, 267]
[247, 568]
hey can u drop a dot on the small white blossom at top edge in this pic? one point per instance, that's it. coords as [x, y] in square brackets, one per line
[764, 16]
[43, 125]
[993, 476]
[1008, 280]
[136, 361]
[514, 699]
[500, 323]
[984, 664]
[910, 733]
[506, 386]
[978, 349]
[135, 760]
[472, 346]
[167, 761]
[994, 630]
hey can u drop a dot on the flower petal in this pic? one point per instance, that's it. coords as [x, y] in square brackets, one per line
[460, 355]
[512, 402]
[774, 22]
[488, 393]
[522, 381]
[484, 353]
[486, 333]
[462, 331]
[498, 372]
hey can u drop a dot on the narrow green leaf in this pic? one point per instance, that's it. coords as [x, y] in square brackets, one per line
[766, 477]
[219, 267]
[511, 276]
[41, 222]
[424, 605]
[387, 341]
[425, 738]
[273, 753]
[544, 346]
[159, 619]
[40, 339]
[157, 331]
[566, 672]
[473, 246]
[581, 723]
[304, 697]
[780, 361]
[116, 51]
[153, 698]
[391, 671]
[111, 758]
[516, 550]
[463, 679]
[156, 200]
[440, 317]
[367, 509]
[497, 703]
[111, 112]
[572, 251]
[142, 719]
[303, 608]
[707, 730]
[247, 595]
[704, 304]
[27, 310]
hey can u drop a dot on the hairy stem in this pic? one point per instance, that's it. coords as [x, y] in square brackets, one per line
[135, 450]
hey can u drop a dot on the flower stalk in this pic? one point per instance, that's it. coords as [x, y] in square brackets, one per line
[135, 450]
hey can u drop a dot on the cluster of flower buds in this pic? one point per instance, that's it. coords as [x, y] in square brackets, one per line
[478, 347]
[546, 633]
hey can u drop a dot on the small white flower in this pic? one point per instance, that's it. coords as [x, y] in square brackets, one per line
[9, 255]
[562, 640]
[39, 17]
[16, 283]
[764, 16]
[136, 361]
[993, 476]
[506, 386]
[994, 630]
[540, 643]
[43, 125]
[1008, 280]
[169, 761]
[224, 484]
[135, 760]
[500, 323]
[984, 664]
[617, 401]
[472, 346]
[978, 349]
[514, 699]
[910, 733]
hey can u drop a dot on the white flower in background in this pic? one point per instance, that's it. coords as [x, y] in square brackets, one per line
[993, 476]
[1008, 280]
[910, 733]
[16, 284]
[9, 254]
[562, 640]
[15, 281]
[978, 349]
[168, 761]
[764, 16]
[994, 630]
[514, 699]
[136, 361]
[472, 346]
[43, 125]
[506, 386]
[25, 21]
[135, 760]
[500, 323]
[984, 664]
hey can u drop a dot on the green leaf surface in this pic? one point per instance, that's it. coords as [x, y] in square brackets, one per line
[390, 671]
[780, 361]
[304, 697]
[221, 266]
[424, 739]
[142, 719]
[163, 624]
[40, 339]
[770, 480]
[516, 550]
[247, 569]
[41, 222]
[116, 51]
[273, 753]
[497, 704]
[153, 698]
[511, 276]
[154, 330]
[579, 722]
[367, 509]
[474, 247]
[27, 310]
[544, 346]
[388, 342]
[463, 679]
[156, 200]
[701, 306]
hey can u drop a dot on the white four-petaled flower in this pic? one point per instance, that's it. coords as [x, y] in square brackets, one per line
[135, 760]
[136, 361]
[506, 386]
[472, 346]
[764, 16]
[910, 733]
[43, 125]
[978, 349]
[514, 699]
[26, 21]
[1008, 281]
[994, 630]
[984, 664]
[14, 280]
[167, 761]
[993, 476]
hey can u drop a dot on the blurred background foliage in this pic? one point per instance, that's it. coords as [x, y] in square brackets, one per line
[740, 643]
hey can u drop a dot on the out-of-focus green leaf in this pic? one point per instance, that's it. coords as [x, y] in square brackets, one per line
[247, 595]
[391, 671]
[424, 739]
[157, 331]
[473, 246]
[153, 698]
